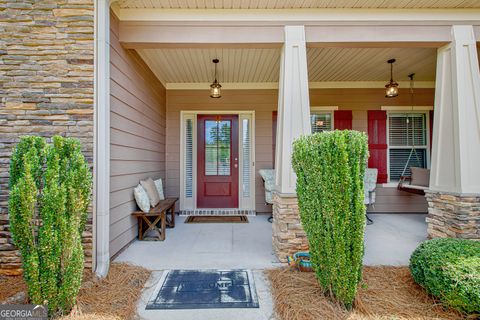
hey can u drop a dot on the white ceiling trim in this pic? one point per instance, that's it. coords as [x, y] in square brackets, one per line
[226, 86]
[311, 85]
[303, 16]
[291, 4]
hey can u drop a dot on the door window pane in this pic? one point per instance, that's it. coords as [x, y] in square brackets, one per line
[217, 147]
[320, 121]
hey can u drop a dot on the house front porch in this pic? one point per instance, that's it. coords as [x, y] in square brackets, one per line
[162, 123]
[389, 241]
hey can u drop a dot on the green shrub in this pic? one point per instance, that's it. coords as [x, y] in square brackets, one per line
[50, 187]
[330, 167]
[449, 269]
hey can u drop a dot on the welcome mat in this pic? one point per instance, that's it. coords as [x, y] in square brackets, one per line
[204, 289]
[216, 219]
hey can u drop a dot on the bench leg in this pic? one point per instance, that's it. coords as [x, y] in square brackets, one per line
[170, 213]
[140, 225]
[153, 226]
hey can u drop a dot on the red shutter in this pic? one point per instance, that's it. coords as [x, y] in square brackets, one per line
[377, 143]
[342, 120]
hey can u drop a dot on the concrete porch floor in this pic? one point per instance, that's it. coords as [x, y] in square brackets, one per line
[389, 241]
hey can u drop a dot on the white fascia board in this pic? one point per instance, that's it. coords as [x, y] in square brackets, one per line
[225, 86]
[312, 85]
[366, 84]
[303, 16]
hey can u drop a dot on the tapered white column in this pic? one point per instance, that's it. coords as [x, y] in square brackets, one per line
[293, 106]
[454, 195]
[456, 130]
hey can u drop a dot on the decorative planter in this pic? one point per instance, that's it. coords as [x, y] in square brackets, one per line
[301, 260]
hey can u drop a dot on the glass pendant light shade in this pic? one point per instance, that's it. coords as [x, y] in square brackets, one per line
[215, 87]
[391, 88]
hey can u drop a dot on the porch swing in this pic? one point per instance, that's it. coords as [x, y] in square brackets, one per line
[417, 182]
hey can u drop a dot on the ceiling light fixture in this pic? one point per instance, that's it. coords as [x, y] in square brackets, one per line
[215, 87]
[391, 88]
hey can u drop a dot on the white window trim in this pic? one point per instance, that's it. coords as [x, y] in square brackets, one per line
[396, 110]
[406, 108]
[324, 108]
[244, 203]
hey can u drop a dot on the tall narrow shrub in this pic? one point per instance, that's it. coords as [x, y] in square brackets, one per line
[50, 188]
[330, 167]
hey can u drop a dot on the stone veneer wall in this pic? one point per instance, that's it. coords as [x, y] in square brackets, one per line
[453, 215]
[46, 88]
[288, 236]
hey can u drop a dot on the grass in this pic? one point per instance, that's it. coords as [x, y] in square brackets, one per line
[112, 298]
[386, 293]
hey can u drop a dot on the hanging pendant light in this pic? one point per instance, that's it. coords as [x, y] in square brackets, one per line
[391, 88]
[215, 87]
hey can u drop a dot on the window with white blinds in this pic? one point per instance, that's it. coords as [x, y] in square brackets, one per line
[407, 143]
[188, 158]
[246, 160]
[321, 121]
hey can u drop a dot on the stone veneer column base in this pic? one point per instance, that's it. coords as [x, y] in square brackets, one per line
[288, 236]
[453, 215]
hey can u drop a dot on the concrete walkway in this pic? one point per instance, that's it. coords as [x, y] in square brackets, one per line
[265, 312]
[389, 241]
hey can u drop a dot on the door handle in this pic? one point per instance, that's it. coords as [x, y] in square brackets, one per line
[235, 166]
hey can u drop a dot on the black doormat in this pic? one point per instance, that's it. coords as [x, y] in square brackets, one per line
[204, 289]
[216, 219]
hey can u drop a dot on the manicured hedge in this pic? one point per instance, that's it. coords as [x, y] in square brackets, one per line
[50, 188]
[449, 269]
[330, 167]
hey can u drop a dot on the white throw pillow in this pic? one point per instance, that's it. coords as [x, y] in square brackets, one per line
[151, 190]
[141, 197]
[159, 186]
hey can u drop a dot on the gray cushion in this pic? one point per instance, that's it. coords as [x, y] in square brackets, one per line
[420, 177]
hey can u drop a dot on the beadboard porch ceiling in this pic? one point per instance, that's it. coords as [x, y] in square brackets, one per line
[253, 65]
[296, 4]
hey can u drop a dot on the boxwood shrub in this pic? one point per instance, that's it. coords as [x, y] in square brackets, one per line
[330, 167]
[449, 269]
[50, 186]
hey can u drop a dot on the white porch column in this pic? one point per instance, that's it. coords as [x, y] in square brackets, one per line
[293, 106]
[454, 194]
[292, 122]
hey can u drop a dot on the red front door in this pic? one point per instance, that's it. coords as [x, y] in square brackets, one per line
[217, 180]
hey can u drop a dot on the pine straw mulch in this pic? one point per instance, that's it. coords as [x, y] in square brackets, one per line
[112, 298]
[386, 293]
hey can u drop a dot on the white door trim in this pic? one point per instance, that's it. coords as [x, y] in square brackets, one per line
[246, 203]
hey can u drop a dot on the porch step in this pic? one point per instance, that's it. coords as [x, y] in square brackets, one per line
[218, 212]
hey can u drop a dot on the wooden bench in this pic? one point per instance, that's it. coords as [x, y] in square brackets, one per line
[157, 219]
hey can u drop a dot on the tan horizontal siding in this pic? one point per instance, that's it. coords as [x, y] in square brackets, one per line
[137, 135]
[264, 102]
